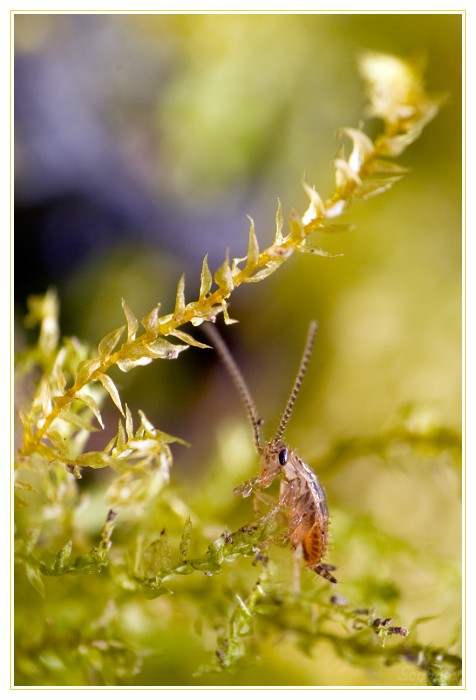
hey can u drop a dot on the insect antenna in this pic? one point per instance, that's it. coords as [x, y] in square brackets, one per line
[306, 355]
[235, 374]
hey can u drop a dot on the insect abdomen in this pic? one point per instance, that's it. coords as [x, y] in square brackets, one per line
[314, 544]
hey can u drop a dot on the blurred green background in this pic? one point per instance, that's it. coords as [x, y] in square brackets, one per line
[141, 144]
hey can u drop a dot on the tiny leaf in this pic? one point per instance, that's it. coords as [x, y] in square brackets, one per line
[208, 314]
[252, 256]
[58, 441]
[180, 299]
[129, 424]
[35, 578]
[86, 369]
[59, 377]
[94, 460]
[76, 420]
[223, 277]
[111, 389]
[151, 560]
[165, 438]
[150, 320]
[344, 174]
[226, 317]
[335, 228]
[270, 267]
[162, 348]
[363, 147]
[120, 437]
[128, 363]
[157, 555]
[109, 342]
[186, 539]
[315, 209]
[132, 322]
[92, 405]
[46, 398]
[187, 338]
[386, 167]
[278, 238]
[149, 428]
[205, 279]
[336, 208]
[63, 557]
[397, 144]
[371, 188]
[315, 250]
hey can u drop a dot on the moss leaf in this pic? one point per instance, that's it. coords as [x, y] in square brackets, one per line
[180, 299]
[109, 342]
[252, 255]
[111, 389]
[77, 420]
[150, 320]
[224, 278]
[206, 279]
[132, 322]
[91, 404]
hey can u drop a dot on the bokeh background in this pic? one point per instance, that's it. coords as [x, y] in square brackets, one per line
[141, 144]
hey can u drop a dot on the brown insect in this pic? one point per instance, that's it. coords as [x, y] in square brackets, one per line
[301, 494]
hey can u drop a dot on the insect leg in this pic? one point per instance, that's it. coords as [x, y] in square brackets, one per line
[297, 554]
[245, 489]
[285, 498]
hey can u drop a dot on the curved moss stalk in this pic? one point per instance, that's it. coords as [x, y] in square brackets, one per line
[397, 97]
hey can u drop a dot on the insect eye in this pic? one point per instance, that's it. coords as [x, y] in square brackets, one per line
[283, 456]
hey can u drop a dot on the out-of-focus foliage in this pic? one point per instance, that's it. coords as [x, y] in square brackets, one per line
[143, 578]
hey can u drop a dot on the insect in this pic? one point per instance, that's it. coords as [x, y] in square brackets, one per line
[301, 494]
